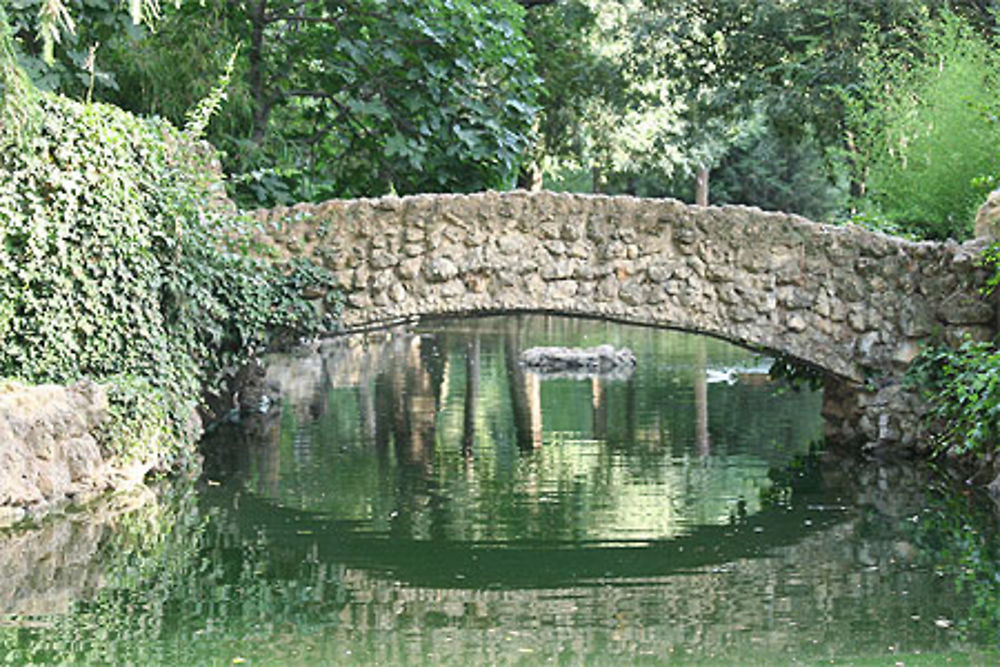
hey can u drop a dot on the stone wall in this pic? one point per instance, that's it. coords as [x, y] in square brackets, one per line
[49, 454]
[849, 301]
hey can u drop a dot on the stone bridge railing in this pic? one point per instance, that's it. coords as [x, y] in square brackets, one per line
[850, 301]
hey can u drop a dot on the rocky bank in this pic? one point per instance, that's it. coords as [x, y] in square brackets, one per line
[50, 454]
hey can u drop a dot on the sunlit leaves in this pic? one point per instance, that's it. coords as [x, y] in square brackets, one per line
[924, 116]
[356, 98]
[55, 19]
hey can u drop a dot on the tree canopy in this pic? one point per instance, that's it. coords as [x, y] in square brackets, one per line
[350, 98]
[339, 98]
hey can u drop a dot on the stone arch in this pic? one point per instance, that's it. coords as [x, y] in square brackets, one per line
[852, 302]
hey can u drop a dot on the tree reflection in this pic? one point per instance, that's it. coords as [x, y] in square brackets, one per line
[525, 395]
[472, 380]
[445, 432]
[388, 540]
[219, 575]
[701, 438]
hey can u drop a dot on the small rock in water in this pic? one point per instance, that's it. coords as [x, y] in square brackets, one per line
[602, 358]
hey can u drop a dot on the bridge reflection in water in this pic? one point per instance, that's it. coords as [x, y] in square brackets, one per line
[474, 510]
[392, 512]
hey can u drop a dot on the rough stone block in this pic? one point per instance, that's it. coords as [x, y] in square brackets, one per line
[440, 269]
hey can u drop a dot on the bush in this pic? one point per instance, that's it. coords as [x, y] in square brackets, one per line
[116, 264]
[928, 122]
[962, 387]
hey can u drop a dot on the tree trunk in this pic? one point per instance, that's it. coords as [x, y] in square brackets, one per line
[530, 177]
[701, 186]
[858, 174]
[255, 76]
[472, 376]
[701, 439]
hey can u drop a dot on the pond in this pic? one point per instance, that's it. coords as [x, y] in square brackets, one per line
[419, 497]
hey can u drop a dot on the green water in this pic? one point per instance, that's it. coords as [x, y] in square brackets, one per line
[417, 497]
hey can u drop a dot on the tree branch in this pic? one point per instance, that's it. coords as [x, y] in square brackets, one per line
[531, 4]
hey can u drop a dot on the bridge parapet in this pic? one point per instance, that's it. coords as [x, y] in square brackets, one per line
[850, 301]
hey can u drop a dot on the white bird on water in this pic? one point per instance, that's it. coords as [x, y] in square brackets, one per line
[714, 376]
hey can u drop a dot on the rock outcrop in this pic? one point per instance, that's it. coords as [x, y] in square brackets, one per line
[49, 451]
[988, 218]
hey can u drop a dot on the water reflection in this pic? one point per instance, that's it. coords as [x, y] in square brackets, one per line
[401, 507]
[444, 432]
[214, 576]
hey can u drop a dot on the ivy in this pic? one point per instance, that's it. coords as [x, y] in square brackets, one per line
[962, 387]
[117, 263]
[990, 260]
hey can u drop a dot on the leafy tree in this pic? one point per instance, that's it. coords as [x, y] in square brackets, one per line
[795, 61]
[765, 169]
[574, 74]
[610, 119]
[352, 98]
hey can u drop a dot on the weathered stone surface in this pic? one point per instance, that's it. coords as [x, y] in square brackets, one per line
[758, 278]
[988, 218]
[441, 269]
[49, 453]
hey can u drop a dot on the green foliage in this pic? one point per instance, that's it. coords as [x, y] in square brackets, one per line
[798, 374]
[573, 74]
[877, 222]
[791, 61]
[991, 260]
[962, 387]
[364, 98]
[74, 26]
[925, 118]
[141, 420]
[116, 264]
[765, 169]
[198, 116]
[18, 109]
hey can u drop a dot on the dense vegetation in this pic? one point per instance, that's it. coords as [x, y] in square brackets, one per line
[118, 261]
[831, 109]
[113, 264]
[343, 99]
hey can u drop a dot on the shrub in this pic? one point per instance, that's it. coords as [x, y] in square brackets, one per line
[928, 122]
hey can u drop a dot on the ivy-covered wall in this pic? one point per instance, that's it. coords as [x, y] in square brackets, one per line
[118, 264]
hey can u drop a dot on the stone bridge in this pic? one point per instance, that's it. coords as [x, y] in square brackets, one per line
[854, 303]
